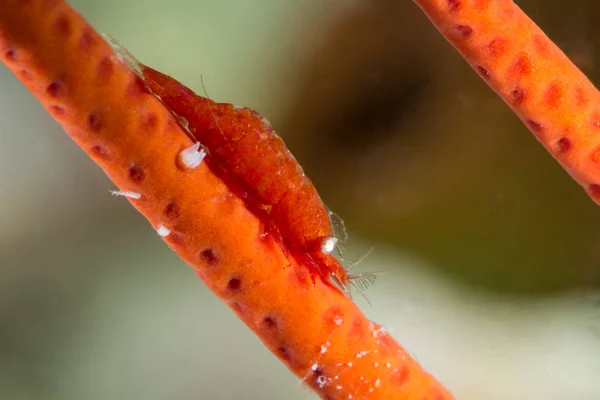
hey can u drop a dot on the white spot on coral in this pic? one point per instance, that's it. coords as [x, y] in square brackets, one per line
[338, 320]
[314, 367]
[163, 231]
[192, 156]
[389, 365]
[379, 332]
[324, 347]
[338, 387]
[362, 378]
[349, 364]
[322, 381]
[238, 107]
[377, 383]
[376, 364]
[328, 245]
[370, 390]
[131, 195]
[361, 354]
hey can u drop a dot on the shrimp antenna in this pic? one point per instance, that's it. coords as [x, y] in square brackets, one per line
[339, 230]
[212, 112]
[361, 281]
[204, 86]
[358, 259]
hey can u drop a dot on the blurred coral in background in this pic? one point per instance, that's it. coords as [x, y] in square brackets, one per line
[490, 250]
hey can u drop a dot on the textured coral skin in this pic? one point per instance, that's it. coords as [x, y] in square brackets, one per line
[318, 333]
[554, 99]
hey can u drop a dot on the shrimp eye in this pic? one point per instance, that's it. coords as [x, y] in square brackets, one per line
[328, 245]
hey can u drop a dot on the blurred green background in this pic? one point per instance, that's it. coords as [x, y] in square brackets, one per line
[491, 252]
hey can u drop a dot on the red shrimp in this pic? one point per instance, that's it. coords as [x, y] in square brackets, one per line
[244, 149]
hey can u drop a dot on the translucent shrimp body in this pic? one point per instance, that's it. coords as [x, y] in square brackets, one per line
[245, 150]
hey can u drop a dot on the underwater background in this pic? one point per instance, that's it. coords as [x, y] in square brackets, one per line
[490, 252]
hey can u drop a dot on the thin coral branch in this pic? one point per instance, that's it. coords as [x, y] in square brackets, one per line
[554, 99]
[316, 331]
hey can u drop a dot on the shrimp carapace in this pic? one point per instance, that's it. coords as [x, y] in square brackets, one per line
[245, 150]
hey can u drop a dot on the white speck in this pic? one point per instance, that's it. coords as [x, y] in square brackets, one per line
[362, 378]
[322, 381]
[192, 157]
[338, 387]
[361, 354]
[377, 383]
[324, 347]
[336, 377]
[131, 195]
[338, 320]
[349, 364]
[328, 245]
[389, 365]
[314, 367]
[381, 331]
[163, 231]
[370, 390]
[349, 396]
[376, 364]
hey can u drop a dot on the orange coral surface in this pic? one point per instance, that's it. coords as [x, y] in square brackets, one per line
[533, 76]
[105, 108]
